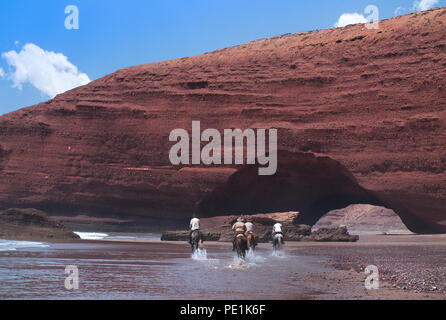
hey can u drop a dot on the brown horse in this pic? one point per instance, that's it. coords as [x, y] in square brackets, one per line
[241, 245]
[252, 241]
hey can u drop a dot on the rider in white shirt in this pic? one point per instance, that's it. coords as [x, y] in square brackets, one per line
[249, 226]
[277, 229]
[250, 236]
[194, 225]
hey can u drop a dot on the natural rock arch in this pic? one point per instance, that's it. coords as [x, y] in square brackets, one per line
[304, 182]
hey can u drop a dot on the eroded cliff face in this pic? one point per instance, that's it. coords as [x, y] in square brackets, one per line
[372, 100]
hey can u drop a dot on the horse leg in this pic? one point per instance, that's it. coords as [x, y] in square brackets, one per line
[241, 253]
[244, 245]
[239, 248]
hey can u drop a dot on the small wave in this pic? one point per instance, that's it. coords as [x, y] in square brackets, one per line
[11, 245]
[138, 237]
[91, 235]
[118, 236]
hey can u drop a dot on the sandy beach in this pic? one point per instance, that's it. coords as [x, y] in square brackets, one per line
[410, 267]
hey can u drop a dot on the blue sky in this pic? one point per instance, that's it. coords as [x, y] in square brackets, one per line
[115, 34]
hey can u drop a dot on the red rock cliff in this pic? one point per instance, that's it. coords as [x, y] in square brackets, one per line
[372, 102]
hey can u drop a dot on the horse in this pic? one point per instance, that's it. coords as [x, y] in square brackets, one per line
[277, 241]
[196, 240]
[252, 241]
[241, 245]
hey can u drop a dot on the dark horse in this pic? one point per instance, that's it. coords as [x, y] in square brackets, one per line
[196, 240]
[241, 245]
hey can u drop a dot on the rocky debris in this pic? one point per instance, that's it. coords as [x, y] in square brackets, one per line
[417, 268]
[32, 225]
[263, 229]
[339, 234]
[367, 108]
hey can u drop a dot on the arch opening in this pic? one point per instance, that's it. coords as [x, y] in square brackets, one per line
[304, 182]
[364, 219]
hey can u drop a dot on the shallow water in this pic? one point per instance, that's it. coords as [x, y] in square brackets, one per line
[153, 270]
[118, 236]
[12, 245]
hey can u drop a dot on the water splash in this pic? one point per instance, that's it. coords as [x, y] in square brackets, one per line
[200, 255]
[255, 258]
[252, 259]
[278, 254]
[239, 264]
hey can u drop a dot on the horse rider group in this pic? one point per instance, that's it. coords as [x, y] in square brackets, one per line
[240, 228]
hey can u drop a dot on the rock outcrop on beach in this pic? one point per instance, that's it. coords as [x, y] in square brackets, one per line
[363, 218]
[339, 234]
[370, 105]
[32, 225]
[219, 229]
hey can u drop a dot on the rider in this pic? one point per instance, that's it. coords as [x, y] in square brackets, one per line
[277, 229]
[249, 228]
[194, 225]
[240, 228]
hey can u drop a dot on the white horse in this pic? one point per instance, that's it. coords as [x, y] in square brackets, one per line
[278, 242]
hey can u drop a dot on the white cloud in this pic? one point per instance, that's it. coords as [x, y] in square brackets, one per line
[424, 4]
[350, 18]
[2, 73]
[50, 72]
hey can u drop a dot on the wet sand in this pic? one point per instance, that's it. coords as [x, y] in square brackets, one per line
[161, 270]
